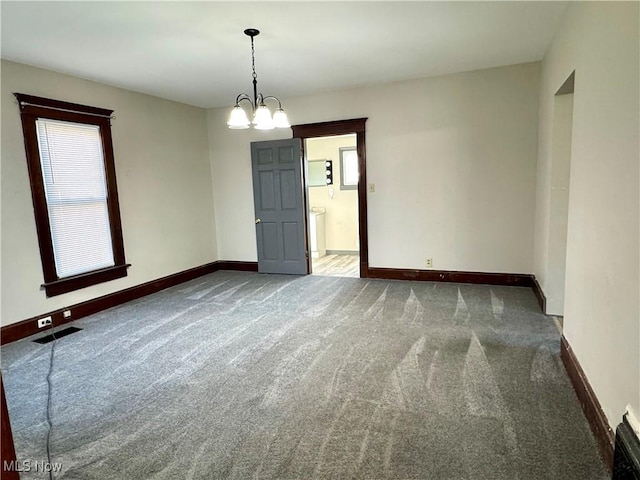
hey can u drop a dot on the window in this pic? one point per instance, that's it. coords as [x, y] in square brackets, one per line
[73, 187]
[349, 168]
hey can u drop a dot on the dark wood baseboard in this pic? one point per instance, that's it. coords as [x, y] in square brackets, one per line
[7, 449]
[508, 279]
[25, 328]
[589, 402]
[542, 300]
[237, 265]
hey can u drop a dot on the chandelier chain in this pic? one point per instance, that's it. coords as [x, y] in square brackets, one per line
[253, 60]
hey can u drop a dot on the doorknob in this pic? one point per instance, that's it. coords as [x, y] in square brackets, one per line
[258, 220]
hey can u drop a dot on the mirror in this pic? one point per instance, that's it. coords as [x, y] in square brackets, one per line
[320, 173]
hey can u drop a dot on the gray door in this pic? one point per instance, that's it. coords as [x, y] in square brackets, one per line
[278, 202]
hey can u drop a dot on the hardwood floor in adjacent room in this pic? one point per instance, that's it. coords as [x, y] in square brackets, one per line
[336, 266]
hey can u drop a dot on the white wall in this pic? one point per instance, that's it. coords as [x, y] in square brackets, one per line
[599, 40]
[341, 218]
[164, 187]
[230, 153]
[453, 160]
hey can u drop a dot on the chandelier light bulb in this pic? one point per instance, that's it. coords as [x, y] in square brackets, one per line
[280, 119]
[238, 118]
[262, 119]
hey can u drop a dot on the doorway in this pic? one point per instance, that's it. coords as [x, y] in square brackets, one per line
[562, 134]
[342, 128]
[332, 196]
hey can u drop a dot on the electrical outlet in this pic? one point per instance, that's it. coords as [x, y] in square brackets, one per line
[66, 314]
[428, 262]
[44, 322]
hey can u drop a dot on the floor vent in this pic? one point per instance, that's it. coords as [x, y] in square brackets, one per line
[58, 335]
[626, 457]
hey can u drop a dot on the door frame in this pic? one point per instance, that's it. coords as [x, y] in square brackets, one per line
[329, 129]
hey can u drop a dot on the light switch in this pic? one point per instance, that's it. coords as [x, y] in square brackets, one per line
[372, 188]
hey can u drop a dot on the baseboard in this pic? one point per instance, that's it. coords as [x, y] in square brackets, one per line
[7, 449]
[542, 299]
[237, 265]
[508, 279]
[589, 403]
[343, 252]
[25, 328]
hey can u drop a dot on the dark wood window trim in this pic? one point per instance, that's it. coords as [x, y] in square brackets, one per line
[32, 108]
[345, 127]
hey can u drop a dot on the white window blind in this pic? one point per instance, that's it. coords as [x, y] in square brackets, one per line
[76, 192]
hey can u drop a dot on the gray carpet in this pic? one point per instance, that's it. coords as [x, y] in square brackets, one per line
[247, 376]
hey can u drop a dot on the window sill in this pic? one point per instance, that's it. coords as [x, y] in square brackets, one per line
[76, 282]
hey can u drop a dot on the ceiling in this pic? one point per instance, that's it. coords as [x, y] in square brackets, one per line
[196, 53]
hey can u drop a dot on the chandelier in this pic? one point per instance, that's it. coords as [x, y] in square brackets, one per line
[262, 119]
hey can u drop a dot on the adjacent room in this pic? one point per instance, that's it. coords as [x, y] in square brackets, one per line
[332, 185]
[296, 240]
